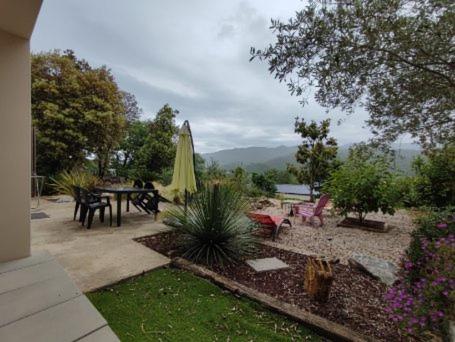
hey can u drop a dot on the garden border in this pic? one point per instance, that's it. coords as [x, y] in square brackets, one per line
[321, 325]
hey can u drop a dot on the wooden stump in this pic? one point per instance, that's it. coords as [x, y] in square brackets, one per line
[318, 279]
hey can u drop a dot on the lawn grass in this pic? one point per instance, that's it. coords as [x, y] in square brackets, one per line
[174, 305]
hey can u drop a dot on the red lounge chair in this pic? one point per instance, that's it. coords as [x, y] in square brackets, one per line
[272, 223]
[309, 210]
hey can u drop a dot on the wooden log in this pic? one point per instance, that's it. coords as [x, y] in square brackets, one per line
[318, 279]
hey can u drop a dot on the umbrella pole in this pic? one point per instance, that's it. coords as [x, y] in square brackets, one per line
[186, 200]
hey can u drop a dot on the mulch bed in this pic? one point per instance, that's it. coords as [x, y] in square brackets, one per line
[371, 225]
[356, 299]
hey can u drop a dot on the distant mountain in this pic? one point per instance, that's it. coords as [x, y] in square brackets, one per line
[249, 155]
[259, 159]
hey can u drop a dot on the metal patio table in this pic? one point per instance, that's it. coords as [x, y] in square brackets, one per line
[118, 197]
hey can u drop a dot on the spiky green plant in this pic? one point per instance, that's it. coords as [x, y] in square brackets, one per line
[214, 229]
[65, 182]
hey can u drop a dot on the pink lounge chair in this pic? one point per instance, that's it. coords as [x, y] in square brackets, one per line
[272, 223]
[310, 210]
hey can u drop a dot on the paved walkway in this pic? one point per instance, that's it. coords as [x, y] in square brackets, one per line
[98, 256]
[39, 302]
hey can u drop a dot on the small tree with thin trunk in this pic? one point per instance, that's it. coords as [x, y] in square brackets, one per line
[363, 184]
[315, 154]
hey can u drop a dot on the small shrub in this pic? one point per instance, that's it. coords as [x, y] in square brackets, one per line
[214, 230]
[407, 191]
[265, 183]
[362, 186]
[65, 182]
[435, 180]
[238, 180]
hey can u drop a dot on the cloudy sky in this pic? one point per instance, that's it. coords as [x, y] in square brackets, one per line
[193, 55]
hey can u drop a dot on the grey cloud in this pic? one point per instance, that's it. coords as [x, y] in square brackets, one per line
[194, 57]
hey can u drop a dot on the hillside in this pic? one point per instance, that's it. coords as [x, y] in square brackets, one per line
[249, 155]
[258, 159]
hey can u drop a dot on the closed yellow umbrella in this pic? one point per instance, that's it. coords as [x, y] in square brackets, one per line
[184, 179]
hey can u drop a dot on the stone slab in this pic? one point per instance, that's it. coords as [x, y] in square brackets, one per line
[36, 258]
[267, 264]
[104, 334]
[65, 322]
[39, 215]
[29, 300]
[378, 268]
[30, 275]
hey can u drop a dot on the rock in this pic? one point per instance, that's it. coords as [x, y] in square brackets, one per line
[266, 203]
[262, 204]
[378, 268]
[171, 222]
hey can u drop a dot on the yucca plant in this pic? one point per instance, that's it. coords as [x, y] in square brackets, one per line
[65, 182]
[214, 229]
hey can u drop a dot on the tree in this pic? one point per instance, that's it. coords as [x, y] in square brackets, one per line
[132, 110]
[239, 179]
[214, 172]
[362, 185]
[104, 116]
[158, 151]
[199, 169]
[435, 177]
[395, 58]
[77, 110]
[281, 176]
[315, 154]
[264, 182]
[128, 150]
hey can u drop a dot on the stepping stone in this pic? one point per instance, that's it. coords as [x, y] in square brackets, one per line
[39, 215]
[64, 200]
[380, 269]
[267, 264]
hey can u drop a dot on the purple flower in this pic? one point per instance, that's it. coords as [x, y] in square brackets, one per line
[441, 225]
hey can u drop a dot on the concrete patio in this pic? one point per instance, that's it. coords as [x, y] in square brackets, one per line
[98, 256]
[39, 302]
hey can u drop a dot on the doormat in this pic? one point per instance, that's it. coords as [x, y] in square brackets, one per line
[39, 215]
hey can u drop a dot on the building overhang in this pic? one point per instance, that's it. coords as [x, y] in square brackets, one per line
[18, 17]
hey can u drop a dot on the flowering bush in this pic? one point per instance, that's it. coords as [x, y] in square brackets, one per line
[431, 226]
[425, 293]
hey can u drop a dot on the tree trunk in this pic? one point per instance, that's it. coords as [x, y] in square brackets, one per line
[103, 160]
[361, 217]
[100, 167]
[125, 160]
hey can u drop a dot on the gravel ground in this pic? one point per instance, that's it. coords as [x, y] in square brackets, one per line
[339, 242]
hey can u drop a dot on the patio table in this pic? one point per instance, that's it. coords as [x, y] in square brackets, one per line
[118, 197]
